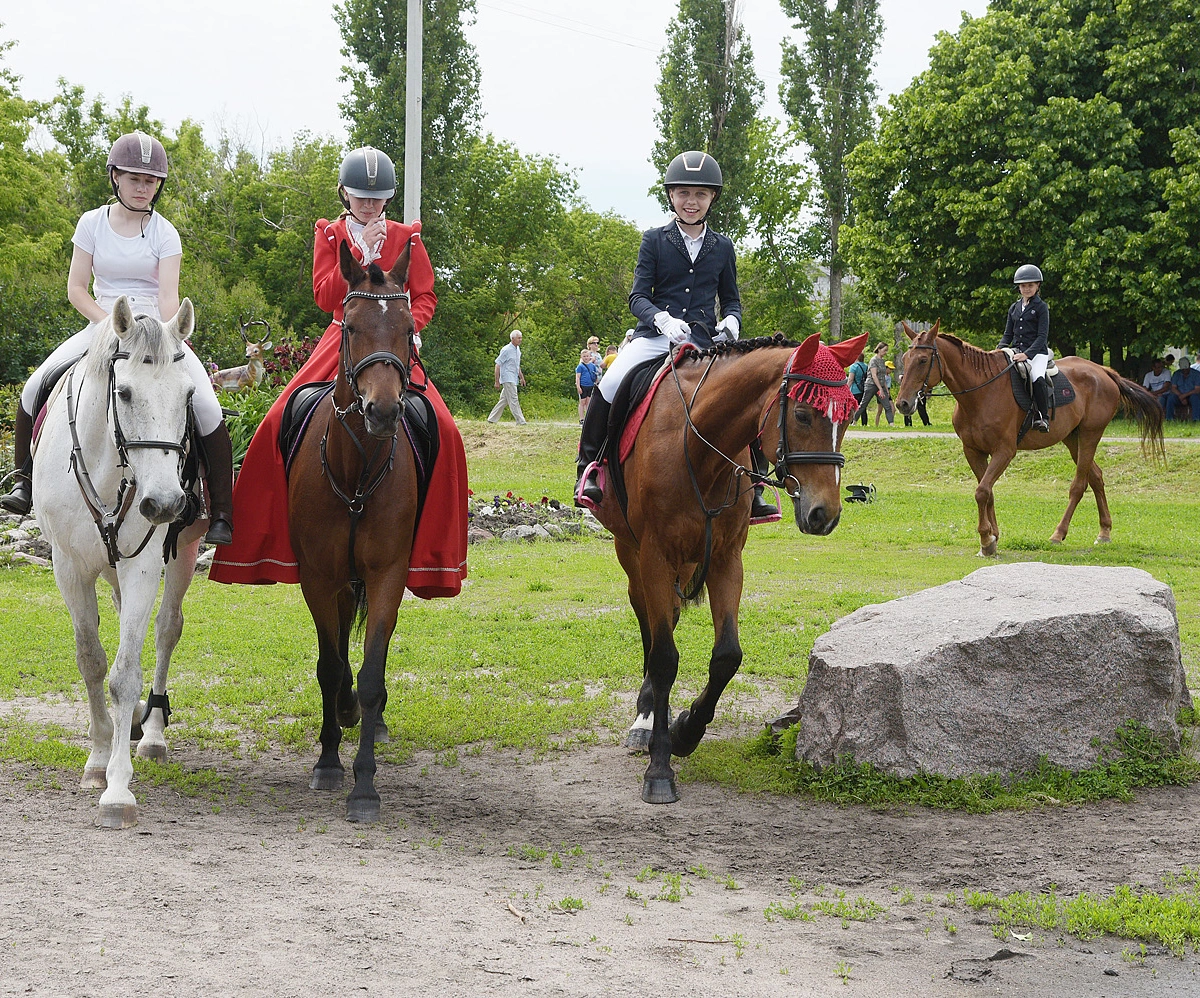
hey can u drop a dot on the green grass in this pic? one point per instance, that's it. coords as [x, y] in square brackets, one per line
[541, 651]
[1171, 918]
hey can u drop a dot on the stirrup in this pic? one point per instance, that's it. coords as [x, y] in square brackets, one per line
[589, 493]
[762, 511]
[1040, 424]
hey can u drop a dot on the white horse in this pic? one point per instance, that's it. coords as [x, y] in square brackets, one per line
[106, 485]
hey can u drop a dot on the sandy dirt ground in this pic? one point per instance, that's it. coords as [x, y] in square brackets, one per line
[267, 890]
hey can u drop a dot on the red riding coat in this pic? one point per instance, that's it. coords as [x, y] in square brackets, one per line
[261, 551]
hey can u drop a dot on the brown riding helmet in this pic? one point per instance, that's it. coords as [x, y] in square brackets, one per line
[137, 152]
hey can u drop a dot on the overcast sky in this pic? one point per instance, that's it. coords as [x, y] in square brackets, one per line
[573, 79]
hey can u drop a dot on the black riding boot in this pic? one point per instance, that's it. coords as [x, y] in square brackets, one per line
[760, 509]
[591, 443]
[1041, 400]
[20, 499]
[218, 450]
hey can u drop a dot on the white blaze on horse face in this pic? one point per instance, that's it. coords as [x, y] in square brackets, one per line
[383, 306]
[833, 426]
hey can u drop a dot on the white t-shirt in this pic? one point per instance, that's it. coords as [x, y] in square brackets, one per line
[1154, 381]
[126, 265]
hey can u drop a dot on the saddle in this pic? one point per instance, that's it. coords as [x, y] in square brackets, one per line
[41, 404]
[419, 421]
[1061, 393]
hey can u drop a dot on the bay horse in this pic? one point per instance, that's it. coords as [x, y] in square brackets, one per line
[110, 455]
[689, 489]
[987, 419]
[352, 506]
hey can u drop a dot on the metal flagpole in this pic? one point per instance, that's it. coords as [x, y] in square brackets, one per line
[412, 112]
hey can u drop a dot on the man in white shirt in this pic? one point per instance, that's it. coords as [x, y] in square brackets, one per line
[508, 376]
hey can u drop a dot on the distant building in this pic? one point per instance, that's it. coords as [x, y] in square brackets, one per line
[820, 279]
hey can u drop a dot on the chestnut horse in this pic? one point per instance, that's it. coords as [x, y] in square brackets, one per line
[689, 490]
[352, 503]
[987, 419]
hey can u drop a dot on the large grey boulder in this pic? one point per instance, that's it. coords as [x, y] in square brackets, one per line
[987, 674]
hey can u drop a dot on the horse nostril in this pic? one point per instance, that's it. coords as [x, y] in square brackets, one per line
[148, 508]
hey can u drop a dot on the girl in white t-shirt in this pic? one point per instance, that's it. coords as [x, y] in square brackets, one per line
[128, 249]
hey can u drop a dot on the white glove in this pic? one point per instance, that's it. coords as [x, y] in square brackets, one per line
[417, 340]
[676, 330]
[729, 327]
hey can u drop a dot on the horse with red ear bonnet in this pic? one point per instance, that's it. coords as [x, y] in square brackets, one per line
[689, 486]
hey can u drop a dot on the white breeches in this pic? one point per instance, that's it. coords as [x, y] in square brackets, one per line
[636, 350]
[204, 402]
[1037, 366]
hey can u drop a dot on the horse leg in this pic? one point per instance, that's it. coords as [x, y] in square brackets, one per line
[168, 626]
[662, 666]
[325, 607]
[724, 596]
[348, 711]
[1083, 452]
[986, 473]
[80, 596]
[637, 738]
[139, 587]
[362, 805]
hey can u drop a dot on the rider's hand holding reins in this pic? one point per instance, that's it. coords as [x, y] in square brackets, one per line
[676, 330]
[729, 327]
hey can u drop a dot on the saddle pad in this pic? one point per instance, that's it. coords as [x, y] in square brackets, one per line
[643, 382]
[297, 412]
[51, 388]
[1064, 391]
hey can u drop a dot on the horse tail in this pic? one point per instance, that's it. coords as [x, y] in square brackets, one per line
[359, 589]
[693, 593]
[1140, 404]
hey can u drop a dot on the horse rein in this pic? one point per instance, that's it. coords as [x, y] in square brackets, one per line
[925, 392]
[109, 520]
[366, 486]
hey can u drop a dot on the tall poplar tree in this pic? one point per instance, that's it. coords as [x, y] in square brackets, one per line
[709, 97]
[829, 94]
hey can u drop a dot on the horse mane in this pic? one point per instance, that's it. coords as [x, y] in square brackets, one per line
[376, 275]
[147, 338]
[726, 348]
[983, 361]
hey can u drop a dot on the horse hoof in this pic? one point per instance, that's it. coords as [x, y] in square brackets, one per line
[382, 735]
[362, 810]
[638, 739]
[348, 717]
[155, 753]
[326, 778]
[679, 746]
[94, 779]
[659, 791]
[116, 816]
[1103, 540]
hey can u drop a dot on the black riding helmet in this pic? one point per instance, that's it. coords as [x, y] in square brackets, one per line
[694, 169]
[366, 173]
[1026, 274]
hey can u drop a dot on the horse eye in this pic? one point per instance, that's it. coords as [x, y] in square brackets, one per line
[124, 394]
[804, 415]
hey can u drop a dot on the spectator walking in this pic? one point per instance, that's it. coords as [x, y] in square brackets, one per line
[858, 383]
[877, 374]
[508, 376]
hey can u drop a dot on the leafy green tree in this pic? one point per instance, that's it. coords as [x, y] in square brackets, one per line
[828, 93]
[775, 278]
[709, 95]
[1047, 131]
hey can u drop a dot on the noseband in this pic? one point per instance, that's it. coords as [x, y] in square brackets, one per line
[109, 520]
[785, 456]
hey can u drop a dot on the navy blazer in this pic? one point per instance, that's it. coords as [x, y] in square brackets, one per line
[1027, 332]
[666, 279]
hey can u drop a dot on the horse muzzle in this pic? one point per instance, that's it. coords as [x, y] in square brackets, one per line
[905, 407]
[163, 509]
[816, 518]
[382, 420]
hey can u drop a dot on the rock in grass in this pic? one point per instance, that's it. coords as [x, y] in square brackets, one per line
[988, 674]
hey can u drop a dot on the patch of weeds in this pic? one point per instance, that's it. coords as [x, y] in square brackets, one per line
[571, 906]
[673, 888]
[767, 763]
[1137, 957]
[1171, 918]
[699, 871]
[842, 970]
[859, 910]
[731, 884]
[532, 854]
[632, 894]
[793, 912]
[628, 919]
[949, 926]
[646, 874]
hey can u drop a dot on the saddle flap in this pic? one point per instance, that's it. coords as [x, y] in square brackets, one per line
[297, 412]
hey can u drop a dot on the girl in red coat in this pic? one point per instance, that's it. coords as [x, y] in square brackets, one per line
[262, 551]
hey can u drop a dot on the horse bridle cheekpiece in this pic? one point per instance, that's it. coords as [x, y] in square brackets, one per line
[109, 520]
[802, 386]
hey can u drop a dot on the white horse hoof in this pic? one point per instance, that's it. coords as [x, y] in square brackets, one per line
[116, 816]
[154, 751]
[94, 779]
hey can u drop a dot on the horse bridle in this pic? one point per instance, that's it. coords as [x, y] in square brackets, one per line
[109, 520]
[924, 392]
[366, 485]
[783, 455]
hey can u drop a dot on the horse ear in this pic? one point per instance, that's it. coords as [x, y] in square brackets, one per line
[908, 330]
[937, 326]
[183, 322]
[847, 351]
[806, 353]
[399, 272]
[351, 269]
[122, 317]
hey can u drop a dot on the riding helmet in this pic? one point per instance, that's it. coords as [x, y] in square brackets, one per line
[693, 169]
[1027, 273]
[368, 173]
[137, 152]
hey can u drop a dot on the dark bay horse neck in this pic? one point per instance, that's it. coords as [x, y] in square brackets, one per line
[988, 420]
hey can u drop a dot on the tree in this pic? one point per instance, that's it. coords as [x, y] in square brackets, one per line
[708, 96]
[828, 93]
[1047, 131]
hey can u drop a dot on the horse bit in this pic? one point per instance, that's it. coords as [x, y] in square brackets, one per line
[109, 520]
[365, 487]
